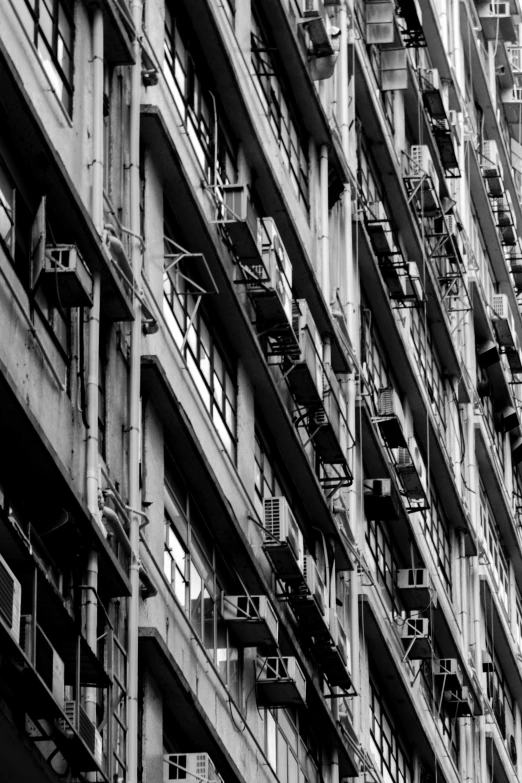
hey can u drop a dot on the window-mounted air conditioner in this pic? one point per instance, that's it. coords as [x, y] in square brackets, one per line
[503, 211]
[381, 235]
[315, 583]
[491, 161]
[328, 422]
[514, 360]
[416, 638]
[280, 682]
[411, 470]
[85, 728]
[252, 619]
[306, 376]
[47, 662]
[381, 500]
[432, 78]
[10, 600]
[460, 702]
[273, 297]
[487, 354]
[283, 542]
[503, 324]
[333, 657]
[236, 212]
[309, 601]
[316, 27]
[413, 284]
[497, 20]
[193, 767]
[379, 22]
[390, 417]
[65, 276]
[448, 673]
[456, 123]
[422, 165]
[415, 588]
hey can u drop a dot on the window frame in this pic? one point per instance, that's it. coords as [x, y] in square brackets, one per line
[60, 11]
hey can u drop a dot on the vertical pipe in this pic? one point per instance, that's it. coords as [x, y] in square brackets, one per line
[97, 118]
[92, 487]
[325, 248]
[134, 403]
[92, 480]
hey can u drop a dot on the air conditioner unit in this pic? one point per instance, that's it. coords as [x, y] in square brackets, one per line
[390, 417]
[491, 161]
[305, 377]
[315, 23]
[431, 75]
[460, 703]
[423, 166]
[328, 423]
[381, 500]
[85, 728]
[394, 276]
[503, 324]
[195, 767]
[309, 601]
[379, 22]
[280, 682]
[411, 470]
[381, 237]
[236, 212]
[333, 657]
[10, 600]
[273, 298]
[416, 638]
[65, 276]
[47, 662]
[514, 360]
[415, 588]
[448, 674]
[251, 618]
[455, 120]
[413, 284]
[503, 211]
[283, 542]
[315, 583]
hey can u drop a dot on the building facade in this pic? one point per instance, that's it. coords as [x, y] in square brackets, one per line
[260, 496]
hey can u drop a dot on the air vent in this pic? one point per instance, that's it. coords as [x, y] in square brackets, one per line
[10, 600]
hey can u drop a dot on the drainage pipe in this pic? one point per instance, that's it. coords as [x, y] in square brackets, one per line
[134, 402]
[92, 479]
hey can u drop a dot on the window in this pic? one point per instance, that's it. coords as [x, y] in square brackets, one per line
[49, 24]
[496, 560]
[385, 558]
[195, 102]
[209, 362]
[281, 114]
[375, 367]
[499, 694]
[267, 483]
[7, 210]
[437, 534]
[190, 565]
[443, 712]
[386, 747]
[290, 746]
[429, 365]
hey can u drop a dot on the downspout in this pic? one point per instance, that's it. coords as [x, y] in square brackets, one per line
[92, 391]
[348, 295]
[325, 249]
[134, 402]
